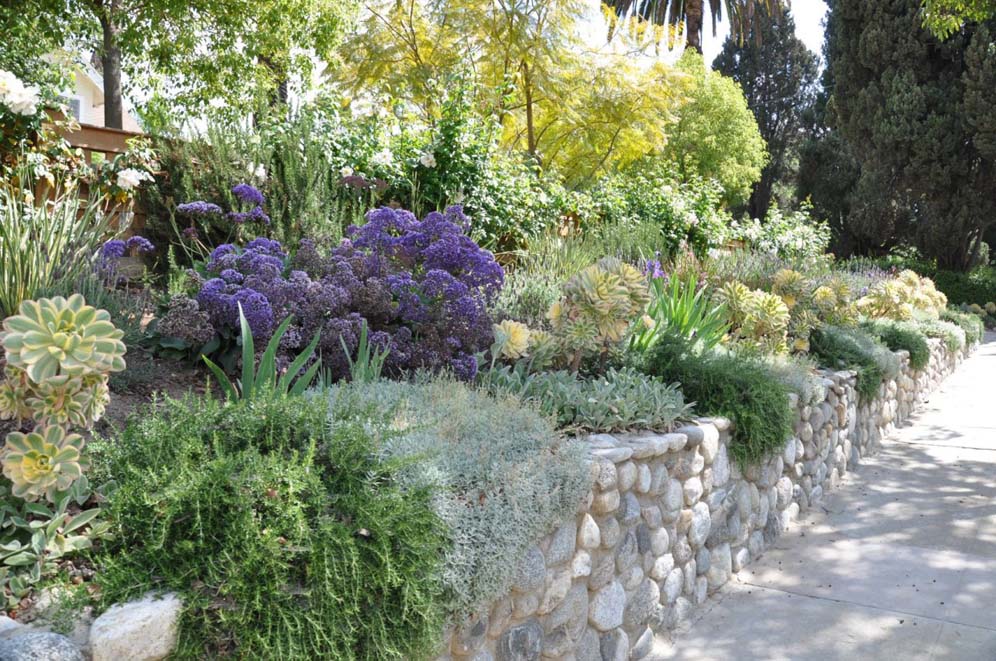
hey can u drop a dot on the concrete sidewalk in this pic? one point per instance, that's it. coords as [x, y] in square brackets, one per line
[898, 563]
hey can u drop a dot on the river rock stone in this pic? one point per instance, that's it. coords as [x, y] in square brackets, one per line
[605, 611]
[523, 642]
[143, 630]
[41, 646]
[701, 521]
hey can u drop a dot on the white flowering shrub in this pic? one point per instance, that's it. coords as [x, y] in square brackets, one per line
[789, 235]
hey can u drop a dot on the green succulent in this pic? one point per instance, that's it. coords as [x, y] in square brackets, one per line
[737, 297]
[98, 396]
[44, 462]
[767, 321]
[791, 286]
[13, 396]
[599, 307]
[54, 336]
[60, 400]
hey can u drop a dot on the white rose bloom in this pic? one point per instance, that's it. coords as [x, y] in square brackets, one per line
[383, 157]
[428, 159]
[15, 95]
[25, 101]
[346, 171]
[130, 178]
[8, 82]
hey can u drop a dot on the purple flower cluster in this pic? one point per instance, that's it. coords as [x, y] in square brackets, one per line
[653, 268]
[114, 250]
[199, 208]
[421, 287]
[249, 195]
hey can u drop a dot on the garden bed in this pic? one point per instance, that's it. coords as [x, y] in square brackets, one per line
[671, 517]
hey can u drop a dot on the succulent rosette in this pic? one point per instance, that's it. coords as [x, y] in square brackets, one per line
[60, 400]
[13, 395]
[44, 462]
[53, 336]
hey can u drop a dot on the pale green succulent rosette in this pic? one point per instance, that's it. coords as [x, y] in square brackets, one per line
[61, 400]
[44, 462]
[53, 336]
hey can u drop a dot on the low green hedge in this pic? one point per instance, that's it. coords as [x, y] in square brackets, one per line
[731, 386]
[899, 335]
[853, 348]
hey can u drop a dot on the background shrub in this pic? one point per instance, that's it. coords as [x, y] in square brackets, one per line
[501, 476]
[731, 386]
[901, 335]
[853, 348]
[285, 540]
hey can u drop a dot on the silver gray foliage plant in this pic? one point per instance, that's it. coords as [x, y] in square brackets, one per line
[501, 476]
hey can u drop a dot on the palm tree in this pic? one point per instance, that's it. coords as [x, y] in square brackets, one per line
[741, 13]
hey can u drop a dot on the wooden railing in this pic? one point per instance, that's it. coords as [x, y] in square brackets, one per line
[104, 143]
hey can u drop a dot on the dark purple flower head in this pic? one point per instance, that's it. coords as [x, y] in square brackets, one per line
[141, 244]
[231, 276]
[114, 249]
[464, 367]
[248, 194]
[190, 233]
[256, 215]
[257, 311]
[199, 208]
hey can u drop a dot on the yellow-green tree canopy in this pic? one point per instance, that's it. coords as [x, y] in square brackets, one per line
[945, 17]
[714, 134]
[578, 112]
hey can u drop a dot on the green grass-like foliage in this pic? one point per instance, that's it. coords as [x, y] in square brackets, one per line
[48, 244]
[854, 348]
[285, 538]
[734, 387]
[901, 335]
[950, 334]
[621, 400]
[974, 327]
[679, 307]
[502, 476]
[262, 379]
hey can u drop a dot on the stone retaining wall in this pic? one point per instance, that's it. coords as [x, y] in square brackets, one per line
[670, 517]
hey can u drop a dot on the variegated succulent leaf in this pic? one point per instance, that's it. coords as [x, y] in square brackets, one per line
[57, 336]
[44, 462]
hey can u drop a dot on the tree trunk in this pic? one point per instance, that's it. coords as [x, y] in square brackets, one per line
[693, 25]
[760, 197]
[530, 125]
[110, 59]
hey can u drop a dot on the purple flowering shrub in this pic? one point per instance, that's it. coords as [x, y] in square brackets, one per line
[421, 287]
